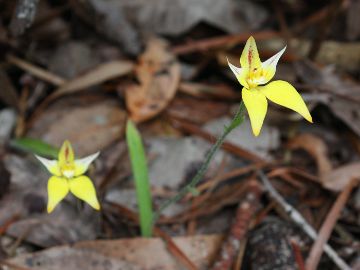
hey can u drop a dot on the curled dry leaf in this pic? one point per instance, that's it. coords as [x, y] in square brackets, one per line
[158, 75]
[101, 73]
[316, 147]
[95, 76]
[332, 179]
[338, 179]
[134, 253]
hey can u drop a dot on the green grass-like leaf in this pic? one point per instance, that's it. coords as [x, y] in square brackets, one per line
[35, 146]
[141, 176]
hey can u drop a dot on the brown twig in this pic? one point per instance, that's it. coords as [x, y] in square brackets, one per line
[312, 19]
[216, 92]
[241, 253]
[41, 74]
[209, 203]
[324, 28]
[228, 41]
[35, 70]
[20, 125]
[215, 181]
[285, 31]
[287, 177]
[300, 221]
[172, 247]
[175, 250]
[327, 227]
[8, 223]
[298, 256]
[298, 172]
[244, 215]
[231, 148]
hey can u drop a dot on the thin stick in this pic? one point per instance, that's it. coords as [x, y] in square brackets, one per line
[300, 221]
[35, 70]
[236, 238]
[171, 245]
[8, 223]
[227, 146]
[297, 253]
[327, 227]
[175, 250]
[324, 28]
[216, 42]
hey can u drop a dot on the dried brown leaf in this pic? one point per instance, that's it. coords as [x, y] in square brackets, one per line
[339, 178]
[158, 74]
[101, 73]
[333, 179]
[316, 147]
[135, 253]
[89, 125]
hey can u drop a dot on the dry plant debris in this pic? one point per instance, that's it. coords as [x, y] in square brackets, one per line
[76, 70]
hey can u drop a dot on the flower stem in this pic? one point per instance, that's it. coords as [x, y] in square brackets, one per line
[190, 187]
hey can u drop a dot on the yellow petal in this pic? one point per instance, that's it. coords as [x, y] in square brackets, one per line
[239, 73]
[51, 165]
[82, 165]
[66, 154]
[269, 66]
[250, 59]
[284, 94]
[256, 105]
[58, 188]
[84, 189]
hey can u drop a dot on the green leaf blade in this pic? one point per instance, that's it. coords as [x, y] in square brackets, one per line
[35, 146]
[141, 177]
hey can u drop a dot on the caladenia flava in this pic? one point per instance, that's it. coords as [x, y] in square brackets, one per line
[254, 76]
[67, 175]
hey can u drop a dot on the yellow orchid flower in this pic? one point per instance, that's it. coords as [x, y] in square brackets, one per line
[254, 76]
[68, 176]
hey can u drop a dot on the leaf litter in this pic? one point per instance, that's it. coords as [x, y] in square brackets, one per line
[164, 66]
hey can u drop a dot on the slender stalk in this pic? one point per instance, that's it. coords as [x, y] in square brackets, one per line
[190, 187]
